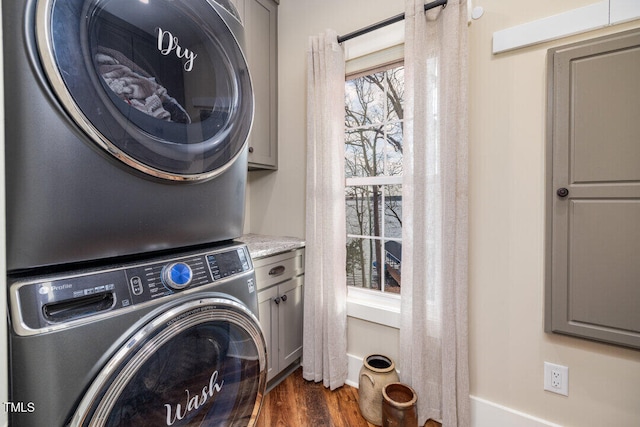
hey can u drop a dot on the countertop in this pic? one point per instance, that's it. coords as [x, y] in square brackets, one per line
[261, 245]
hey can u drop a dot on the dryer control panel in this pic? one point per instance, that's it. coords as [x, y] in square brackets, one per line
[50, 302]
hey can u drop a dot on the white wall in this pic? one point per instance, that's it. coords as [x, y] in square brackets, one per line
[507, 122]
[507, 170]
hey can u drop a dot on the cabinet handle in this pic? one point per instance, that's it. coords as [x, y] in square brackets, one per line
[284, 298]
[276, 271]
[251, 149]
[276, 300]
[562, 192]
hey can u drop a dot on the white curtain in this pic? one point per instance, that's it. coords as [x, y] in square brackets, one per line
[325, 314]
[433, 331]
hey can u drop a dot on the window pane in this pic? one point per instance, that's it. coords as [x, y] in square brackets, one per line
[364, 101]
[395, 93]
[393, 211]
[353, 108]
[363, 207]
[393, 149]
[363, 269]
[392, 264]
[364, 153]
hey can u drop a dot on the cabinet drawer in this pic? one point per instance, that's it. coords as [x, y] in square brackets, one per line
[278, 268]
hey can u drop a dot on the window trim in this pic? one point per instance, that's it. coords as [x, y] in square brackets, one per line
[374, 306]
[363, 181]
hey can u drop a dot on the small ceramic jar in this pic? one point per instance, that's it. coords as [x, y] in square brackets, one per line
[377, 371]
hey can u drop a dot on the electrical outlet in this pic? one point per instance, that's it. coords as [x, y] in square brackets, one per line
[556, 378]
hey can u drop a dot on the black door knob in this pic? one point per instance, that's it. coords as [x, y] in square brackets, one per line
[284, 298]
[562, 192]
[276, 300]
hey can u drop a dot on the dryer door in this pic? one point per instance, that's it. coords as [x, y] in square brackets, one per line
[201, 363]
[162, 85]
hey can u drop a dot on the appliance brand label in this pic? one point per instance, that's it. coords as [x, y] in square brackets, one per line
[168, 43]
[61, 287]
[193, 401]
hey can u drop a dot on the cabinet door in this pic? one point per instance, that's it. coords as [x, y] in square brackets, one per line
[268, 314]
[260, 21]
[593, 199]
[291, 319]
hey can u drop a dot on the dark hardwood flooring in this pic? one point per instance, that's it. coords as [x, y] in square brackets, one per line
[299, 403]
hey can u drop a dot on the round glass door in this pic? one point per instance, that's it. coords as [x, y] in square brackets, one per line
[162, 85]
[201, 363]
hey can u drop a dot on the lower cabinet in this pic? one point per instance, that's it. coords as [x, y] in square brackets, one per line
[280, 281]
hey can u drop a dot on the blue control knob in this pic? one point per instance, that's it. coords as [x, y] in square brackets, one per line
[177, 275]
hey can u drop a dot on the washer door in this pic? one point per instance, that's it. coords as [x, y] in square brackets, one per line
[201, 363]
[162, 85]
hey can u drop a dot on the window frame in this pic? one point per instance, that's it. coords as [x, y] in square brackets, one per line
[375, 305]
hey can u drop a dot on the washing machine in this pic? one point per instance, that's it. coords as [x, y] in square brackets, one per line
[126, 126]
[171, 341]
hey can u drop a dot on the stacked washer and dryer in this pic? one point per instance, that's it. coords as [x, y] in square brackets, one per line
[129, 302]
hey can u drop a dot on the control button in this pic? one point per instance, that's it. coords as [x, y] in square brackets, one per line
[136, 285]
[177, 275]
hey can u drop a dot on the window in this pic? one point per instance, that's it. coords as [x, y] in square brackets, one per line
[373, 169]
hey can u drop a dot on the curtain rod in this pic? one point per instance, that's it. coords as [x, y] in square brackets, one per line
[386, 22]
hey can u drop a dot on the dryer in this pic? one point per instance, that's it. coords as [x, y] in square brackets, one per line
[170, 341]
[126, 126]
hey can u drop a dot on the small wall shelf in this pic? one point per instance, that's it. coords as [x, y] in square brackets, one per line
[597, 15]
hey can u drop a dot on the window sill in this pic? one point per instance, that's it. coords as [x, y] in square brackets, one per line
[374, 306]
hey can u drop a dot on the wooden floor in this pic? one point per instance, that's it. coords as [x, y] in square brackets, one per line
[299, 403]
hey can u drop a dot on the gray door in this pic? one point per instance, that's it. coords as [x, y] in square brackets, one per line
[593, 190]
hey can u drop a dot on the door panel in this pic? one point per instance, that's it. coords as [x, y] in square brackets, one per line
[291, 319]
[604, 272]
[604, 94]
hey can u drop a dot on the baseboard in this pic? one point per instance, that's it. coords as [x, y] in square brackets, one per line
[353, 373]
[489, 414]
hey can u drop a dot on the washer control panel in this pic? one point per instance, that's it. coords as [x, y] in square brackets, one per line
[56, 300]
